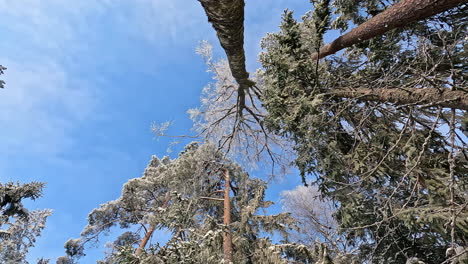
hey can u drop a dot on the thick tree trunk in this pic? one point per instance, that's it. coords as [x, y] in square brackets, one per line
[227, 240]
[427, 96]
[150, 230]
[227, 18]
[398, 15]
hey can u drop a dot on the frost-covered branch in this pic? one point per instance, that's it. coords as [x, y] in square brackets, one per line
[218, 119]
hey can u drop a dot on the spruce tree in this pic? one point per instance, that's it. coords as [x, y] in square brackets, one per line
[395, 168]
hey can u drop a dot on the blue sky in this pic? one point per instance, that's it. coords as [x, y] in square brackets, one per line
[85, 81]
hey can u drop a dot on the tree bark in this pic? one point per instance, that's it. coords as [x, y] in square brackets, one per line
[396, 16]
[145, 239]
[227, 18]
[227, 240]
[456, 99]
[150, 230]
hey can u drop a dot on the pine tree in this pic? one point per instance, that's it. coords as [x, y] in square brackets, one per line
[396, 169]
[213, 211]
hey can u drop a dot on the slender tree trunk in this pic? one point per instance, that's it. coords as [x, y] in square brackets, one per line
[227, 240]
[150, 230]
[396, 16]
[456, 99]
[145, 239]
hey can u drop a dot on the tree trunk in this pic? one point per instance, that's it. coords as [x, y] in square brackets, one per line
[150, 230]
[145, 239]
[227, 240]
[456, 99]
[396, 16]
[227, 18]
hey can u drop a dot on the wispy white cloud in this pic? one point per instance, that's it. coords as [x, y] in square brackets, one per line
[43, 101]
[39, 106]
[46, 101]
[163, 21]
[51, 26]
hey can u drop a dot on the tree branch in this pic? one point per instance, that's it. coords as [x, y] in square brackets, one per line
[212, 199]
[456, 99]
[396, 16]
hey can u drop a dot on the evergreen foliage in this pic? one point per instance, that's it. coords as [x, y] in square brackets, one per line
[2, 69]
[19, 228]
[380, 127]
[396, 173]
[193, 213]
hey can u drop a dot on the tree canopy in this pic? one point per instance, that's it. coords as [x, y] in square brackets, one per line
[182, 196]
[379, 126]
[375, 122]
[395, 169]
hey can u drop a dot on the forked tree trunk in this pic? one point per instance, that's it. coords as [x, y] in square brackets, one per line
[227, 239]
[150, 230]
[396, 16]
